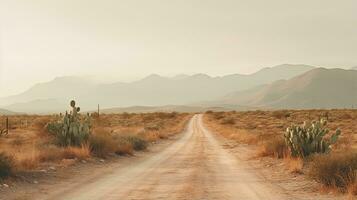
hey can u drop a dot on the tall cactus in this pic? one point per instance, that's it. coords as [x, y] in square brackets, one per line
[72, 130]
[305, 140]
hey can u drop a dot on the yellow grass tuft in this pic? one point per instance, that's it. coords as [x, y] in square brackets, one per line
[82, 152]
[294, 165]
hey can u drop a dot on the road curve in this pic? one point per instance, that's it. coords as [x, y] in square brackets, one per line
[196, 166]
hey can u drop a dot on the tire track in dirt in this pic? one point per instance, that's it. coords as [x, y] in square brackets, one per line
[196, 166]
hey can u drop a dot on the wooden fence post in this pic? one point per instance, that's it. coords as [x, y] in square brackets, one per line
[7, 125]
[98, 110]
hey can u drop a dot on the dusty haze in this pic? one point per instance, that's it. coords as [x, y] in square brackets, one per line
[126, 40]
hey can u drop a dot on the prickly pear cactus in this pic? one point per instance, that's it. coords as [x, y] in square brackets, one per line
[73, 130]
[305, 140]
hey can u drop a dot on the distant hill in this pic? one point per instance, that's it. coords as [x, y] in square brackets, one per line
[42, 106]
[318, 88]
[6, 112]
[60, 88]
[153, 90]
[354, 68]
[285, 71]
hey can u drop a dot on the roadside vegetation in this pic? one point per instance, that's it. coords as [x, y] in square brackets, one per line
[322, 144]
[36, 142]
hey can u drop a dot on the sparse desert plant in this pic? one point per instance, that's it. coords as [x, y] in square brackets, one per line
[164, 115]
[51, 153]
[124, 148]
[29, 160]
[335, 169]
[102, 144]
[294, 165]
[275, 147]
[308, 139]
[72, 130]
[152, 127]
[6, 165]
[137, 142]
[281, 114]
[218, 115]
[40, 125]
[82, 152]
[228, 121]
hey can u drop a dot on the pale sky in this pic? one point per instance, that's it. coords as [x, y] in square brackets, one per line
[129, 39]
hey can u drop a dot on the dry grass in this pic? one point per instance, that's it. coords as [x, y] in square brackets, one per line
[269, 124]
[266, 128]
[81, 153]
[275, 147]
[294, 165]
[30, 145]
[6, 165]
[102, 143]
[124, 148]
[335, 170]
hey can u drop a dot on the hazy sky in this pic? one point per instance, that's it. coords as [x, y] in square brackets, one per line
[128, 39]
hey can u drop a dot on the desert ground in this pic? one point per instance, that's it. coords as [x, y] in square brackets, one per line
[262, 133]
[205, 161]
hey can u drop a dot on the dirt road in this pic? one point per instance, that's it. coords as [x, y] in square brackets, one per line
[195, 166]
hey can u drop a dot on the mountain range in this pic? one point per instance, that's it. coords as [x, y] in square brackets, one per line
[317, 88]
[6, 112]
[153, 90]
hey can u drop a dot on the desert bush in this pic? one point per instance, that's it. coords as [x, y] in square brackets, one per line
[335, 169]
[218, 115]
[82, 152]
[294, 165]
[51, 153]
[275, 147]
[137, 142]
[281, 114]
[209, 112]
[244, 136]
[102, 144]
[345, 116]
[6, 165]
[163, 115]
[125, 115]
[305, 140]
[152, 127]
[124, 148]
[29, 160]
[228, 121]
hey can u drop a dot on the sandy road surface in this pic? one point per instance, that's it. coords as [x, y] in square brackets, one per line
[195, 166]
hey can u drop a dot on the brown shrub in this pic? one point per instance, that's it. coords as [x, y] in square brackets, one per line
[39, 125]
[50, 154]
[28, 162]
[345, 116]
[102, 144]
[228, 121]
[275, 147]
[138, 143]
[124, 148]
[6, 165]
[335, 170]
[218, 115]
[245, 137]
[281, 114]
[294, 165]
[82, 152]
